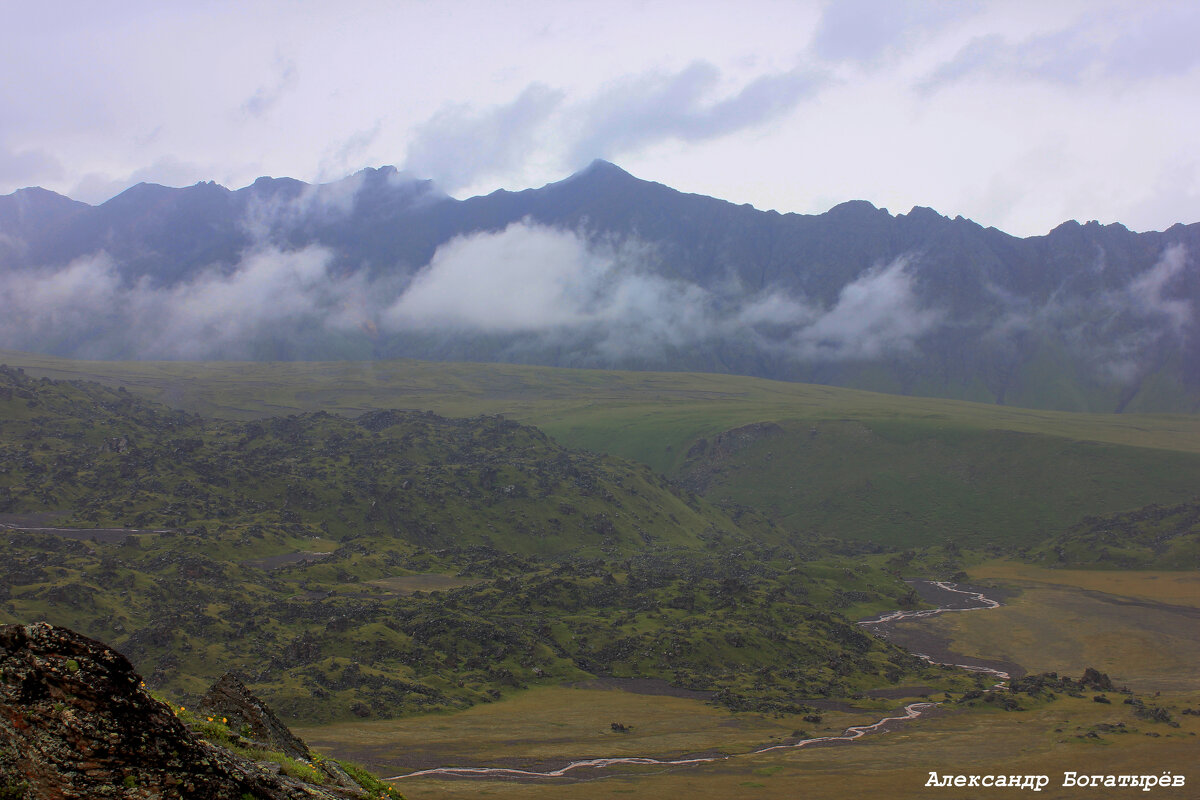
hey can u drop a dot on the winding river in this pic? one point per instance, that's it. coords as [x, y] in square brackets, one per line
[976, 601]
[970, 601]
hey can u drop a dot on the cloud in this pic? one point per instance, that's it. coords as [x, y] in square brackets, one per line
[1120, 332]
[460, 145]
[1149, 293]
[550, 288]
[1150, 45]
[529, 289]
[1113, 48]
[96, 188]
[86, 310]
[875, 315]
[864, 31]
[531, 292]
[645, 109]
[343, 156]
[269, 291]
[28, 167]
[1174, 194]
[526, 278]
[40, 311]
[275, 214]
[605, 299]
[294, 204]
[1061, 57]
[266, 97]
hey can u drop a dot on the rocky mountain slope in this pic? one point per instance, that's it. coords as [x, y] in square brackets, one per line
[604, 269]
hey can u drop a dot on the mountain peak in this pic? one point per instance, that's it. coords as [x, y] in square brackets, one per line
[854, 209]
[35, 193]
[600, 167]
[37, 197]
[920, 212]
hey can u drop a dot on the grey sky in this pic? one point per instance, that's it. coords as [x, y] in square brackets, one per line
[1016, 114]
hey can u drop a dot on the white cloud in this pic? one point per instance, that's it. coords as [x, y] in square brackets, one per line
[525, 278]
[875, 315]
[265, 97]
[1149, 295]
[85, 308]
[530, 279]
[1120, 332]
[28, 167]
[868, 30]
[531, 289]
[460, 145]
[1118, 47]
[639, 110]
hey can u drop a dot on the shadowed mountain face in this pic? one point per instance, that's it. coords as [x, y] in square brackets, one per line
[606, 270]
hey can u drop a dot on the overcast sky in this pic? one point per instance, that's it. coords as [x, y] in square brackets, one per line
[1018, 115]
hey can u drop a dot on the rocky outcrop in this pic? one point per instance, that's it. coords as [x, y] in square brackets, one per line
[77, 722]
[254, 720]
[708, 459]
[230, 699]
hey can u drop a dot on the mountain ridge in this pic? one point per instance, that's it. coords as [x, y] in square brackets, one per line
[614, 272]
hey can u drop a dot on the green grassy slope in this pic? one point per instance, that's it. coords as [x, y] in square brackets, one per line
[912, 482]
[650, 416]
[1155, 537]
[897, 469]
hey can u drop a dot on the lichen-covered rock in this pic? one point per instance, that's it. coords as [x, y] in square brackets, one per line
[76, 722]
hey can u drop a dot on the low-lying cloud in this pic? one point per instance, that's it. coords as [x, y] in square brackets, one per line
[532, 279]
[1121, 332]
[86, 310]
[539, 294]
[534, 287]
[877, 314]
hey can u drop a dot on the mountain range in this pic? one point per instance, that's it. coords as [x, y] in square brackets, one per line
[603, 269]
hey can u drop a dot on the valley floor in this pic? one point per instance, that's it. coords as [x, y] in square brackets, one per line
[1141, 628]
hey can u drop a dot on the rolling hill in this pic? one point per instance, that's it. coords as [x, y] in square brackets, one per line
[822, 460]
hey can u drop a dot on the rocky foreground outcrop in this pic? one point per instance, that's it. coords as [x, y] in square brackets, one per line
[77, 722]
[230, 700]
